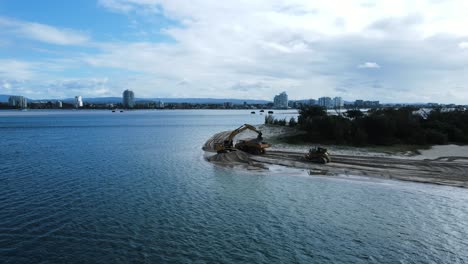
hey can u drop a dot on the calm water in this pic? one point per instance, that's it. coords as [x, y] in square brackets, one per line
[102, 187]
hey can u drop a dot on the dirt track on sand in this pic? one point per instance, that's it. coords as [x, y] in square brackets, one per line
[451, 171]
[447, 171]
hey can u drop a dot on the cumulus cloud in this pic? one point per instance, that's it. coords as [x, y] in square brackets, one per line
[89, 87]
[125, 6]
[463, 45]
[369, 65]
[42, 32]
[6, 85]
[59, 87]
[16, 69]
[249, 86]
[254, 49]
[308, 48]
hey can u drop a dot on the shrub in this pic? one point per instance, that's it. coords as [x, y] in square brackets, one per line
[384, 126]
[269, 119]
[436, 137]
[292, 122]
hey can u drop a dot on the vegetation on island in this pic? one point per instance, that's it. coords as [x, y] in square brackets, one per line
[387, 126]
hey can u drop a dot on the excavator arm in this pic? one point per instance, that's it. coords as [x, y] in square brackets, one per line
[242, 129]
[228, 145]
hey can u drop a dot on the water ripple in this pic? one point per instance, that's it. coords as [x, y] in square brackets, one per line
[92, 187]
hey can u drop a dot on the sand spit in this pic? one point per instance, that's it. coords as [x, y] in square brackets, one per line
[445, 170]
[236, 159]
[444, 151]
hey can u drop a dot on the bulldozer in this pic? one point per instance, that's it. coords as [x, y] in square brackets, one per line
[254, 146]
[319, 155]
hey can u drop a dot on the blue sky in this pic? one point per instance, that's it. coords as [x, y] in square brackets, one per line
[388, 50]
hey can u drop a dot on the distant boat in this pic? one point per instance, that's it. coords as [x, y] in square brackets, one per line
[261, 111]
[253, 112]
[270, 112]
[121, 111]
[113, 111]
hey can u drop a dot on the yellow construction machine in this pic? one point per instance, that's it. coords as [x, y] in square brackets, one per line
[318, 154]
[253, 146]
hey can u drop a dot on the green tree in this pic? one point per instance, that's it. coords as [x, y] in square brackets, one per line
[353, 114]
[292, 122]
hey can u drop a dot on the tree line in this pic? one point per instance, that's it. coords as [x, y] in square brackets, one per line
[388, 126]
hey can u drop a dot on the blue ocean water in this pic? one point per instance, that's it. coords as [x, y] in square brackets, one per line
[133, 187]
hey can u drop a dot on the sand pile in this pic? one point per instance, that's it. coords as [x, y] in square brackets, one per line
[220, 137]
[231, 157]
[236, 159]
[216, 138]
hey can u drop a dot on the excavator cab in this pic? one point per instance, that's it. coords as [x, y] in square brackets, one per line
[224, 147]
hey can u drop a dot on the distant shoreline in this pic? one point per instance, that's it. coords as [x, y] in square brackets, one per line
[148, 109]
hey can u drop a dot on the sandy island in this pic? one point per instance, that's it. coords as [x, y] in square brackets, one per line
[445, 165]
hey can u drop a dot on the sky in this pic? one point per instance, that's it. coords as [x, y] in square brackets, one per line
[387, 50]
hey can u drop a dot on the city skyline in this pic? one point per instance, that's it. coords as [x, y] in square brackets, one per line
[280, 101]
[394, 51]
[327, 102]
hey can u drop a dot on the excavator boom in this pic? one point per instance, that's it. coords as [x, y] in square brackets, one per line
[242, 129]
[253, 146]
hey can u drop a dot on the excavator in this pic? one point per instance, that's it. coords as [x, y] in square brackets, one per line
[254, 146]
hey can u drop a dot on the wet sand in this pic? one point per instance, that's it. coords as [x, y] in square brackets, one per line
[446, 171]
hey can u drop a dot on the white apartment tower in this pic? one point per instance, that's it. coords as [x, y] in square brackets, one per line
[338, 103]
[325, 102]
[281, 101]
[18, 102]
[78, 101]
[128, 99]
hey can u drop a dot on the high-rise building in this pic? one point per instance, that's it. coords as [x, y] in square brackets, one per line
[58, 104]
[325, 102]
[281, 101]
[228, 105]
[359, 103]
[366, 104]
[128, 99]
[338, 103]
[78, 101]
[18, 102]
[159, 104]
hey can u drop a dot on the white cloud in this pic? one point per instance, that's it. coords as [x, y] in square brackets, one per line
[16, 69]
[432, 17]
[125, 6]
[89, 87]
[6, 85]
[254, 49]
[43, 32]
[115, 5]
[463, 45]
[369, 65]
